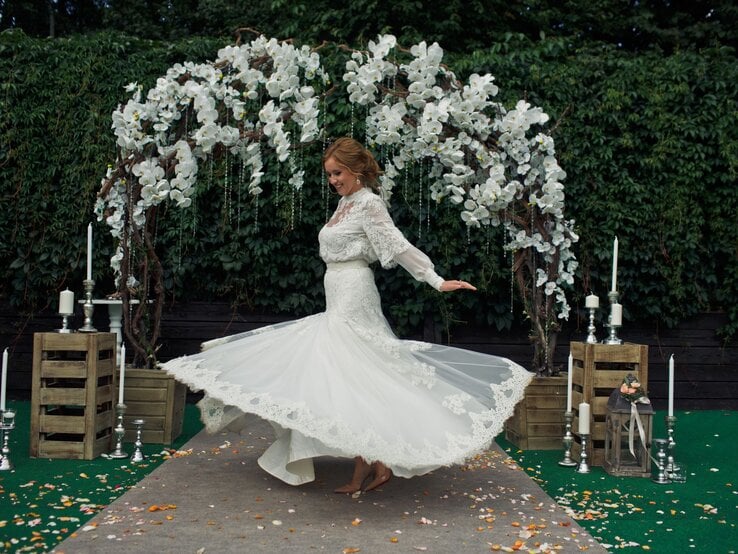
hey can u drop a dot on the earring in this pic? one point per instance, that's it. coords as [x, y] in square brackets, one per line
[358, 182]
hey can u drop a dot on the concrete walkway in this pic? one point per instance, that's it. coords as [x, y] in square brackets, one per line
[214, 498]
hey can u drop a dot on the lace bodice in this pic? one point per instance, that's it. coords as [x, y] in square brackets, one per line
[362, 229]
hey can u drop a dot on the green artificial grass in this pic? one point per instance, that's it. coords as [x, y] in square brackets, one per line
[636, 514]
[42, 501]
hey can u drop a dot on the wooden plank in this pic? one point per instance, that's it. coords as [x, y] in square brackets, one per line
[61, 424]
[60, 449]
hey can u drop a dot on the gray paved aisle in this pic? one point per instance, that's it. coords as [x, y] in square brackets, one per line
[217, 499]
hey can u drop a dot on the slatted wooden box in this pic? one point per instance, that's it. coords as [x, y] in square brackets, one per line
[72, 411]
[157, 398]
[598, 369]
[538, 420]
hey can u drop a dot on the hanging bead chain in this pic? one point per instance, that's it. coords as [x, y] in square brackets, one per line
[352, 121]
[420, 203]
[241, 172]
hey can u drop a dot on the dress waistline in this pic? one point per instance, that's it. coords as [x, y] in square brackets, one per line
[350, 264]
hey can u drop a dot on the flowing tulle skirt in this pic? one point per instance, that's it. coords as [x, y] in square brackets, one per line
[340, 383]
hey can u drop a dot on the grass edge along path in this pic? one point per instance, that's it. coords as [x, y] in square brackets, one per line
[636, 514]
[43, 501]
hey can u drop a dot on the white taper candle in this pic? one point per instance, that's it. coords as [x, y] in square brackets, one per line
[89, 252]
[671, 385]
[4, 381]
[614, 286]
[570, 371]
[122, 378]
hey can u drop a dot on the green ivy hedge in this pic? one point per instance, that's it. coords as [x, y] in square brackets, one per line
[649, 142]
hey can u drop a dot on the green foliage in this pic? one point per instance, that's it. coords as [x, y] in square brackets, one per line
[649, 142]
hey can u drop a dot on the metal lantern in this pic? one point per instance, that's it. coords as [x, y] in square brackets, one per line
[621, 428]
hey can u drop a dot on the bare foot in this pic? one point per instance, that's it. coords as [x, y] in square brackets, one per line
[382, 474]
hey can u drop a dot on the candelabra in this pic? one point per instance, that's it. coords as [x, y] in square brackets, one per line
[568, 441]
[583, 466]
[120, 410]
[591, 338]
[7, 424]
[88, 307]
[613, 337]
[137, 454]
[661, 474]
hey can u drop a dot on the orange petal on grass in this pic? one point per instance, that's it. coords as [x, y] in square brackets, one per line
[350, 550]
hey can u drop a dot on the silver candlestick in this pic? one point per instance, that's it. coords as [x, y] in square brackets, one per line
[568, 441]
[674, 471]
[88, 307]
[583, 466]
[613, 336]
[65, 324]
[7, 424]
[120, 410]
[137, 454]
[661, 475]
[591, 338]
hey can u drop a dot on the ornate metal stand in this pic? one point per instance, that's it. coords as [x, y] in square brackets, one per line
[613, 336]
[568, 441]
[7, 424]
[88, 307]
[583, 466]
[120, 410]
[137, 454]
[674, 471]
[661, 475]
[65, 324]
[591, 338]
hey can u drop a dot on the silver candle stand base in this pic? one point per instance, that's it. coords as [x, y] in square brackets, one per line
[612, 337]
[583, 466]
[674, 471]
[65, 324]
[7, 424]
[88, 307]
[568, 440]
[120, 410]
[137, 454]
[591, 338]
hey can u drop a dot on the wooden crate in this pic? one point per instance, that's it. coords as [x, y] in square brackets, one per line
[598, 369]
[72, 414]
[538, 420]
[157, 398]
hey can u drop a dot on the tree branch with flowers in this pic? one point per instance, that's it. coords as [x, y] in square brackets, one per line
[497, 164]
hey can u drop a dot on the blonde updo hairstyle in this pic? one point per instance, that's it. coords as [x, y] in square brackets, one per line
[350, 153]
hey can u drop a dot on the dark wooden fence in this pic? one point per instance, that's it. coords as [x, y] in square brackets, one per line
[706, 369]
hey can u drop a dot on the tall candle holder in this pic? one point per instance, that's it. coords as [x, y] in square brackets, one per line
[137, 454]
[568, 440]
[661, 474]
[674, 471]
[7, 424]
[120, 410]
[591, 338]
[583, 466]
[613, 336]
[88, 307]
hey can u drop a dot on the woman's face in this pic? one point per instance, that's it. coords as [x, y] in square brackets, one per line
[341, 178]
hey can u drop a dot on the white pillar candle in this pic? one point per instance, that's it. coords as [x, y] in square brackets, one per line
[584, 418]
[616, 314]
[66, 302]
[89, 252]
[592, 301]
[3, 382]
[122, 378]
[614, 286]
[671, 385]
[570, 371]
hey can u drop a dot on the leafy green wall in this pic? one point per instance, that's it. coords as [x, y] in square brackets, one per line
[649, 142]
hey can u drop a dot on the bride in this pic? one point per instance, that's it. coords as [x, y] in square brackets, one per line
[340, 383]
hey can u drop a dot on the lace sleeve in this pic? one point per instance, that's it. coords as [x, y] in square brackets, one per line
[393, 248]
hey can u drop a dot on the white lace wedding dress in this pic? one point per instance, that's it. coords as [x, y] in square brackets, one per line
[340, 383]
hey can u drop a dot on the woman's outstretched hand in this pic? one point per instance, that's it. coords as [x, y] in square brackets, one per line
[448, 286]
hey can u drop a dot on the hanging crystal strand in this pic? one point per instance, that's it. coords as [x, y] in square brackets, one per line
[276, 185]
[256, 214]
[179, 241]
[352, 121]
[228, 192]
[420, 204]
[241, 171]
[507, 237]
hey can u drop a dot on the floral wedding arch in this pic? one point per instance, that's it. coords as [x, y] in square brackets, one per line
[497, 163]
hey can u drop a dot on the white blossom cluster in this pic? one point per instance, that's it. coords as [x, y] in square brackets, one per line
[482, 156]
[162, 145]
